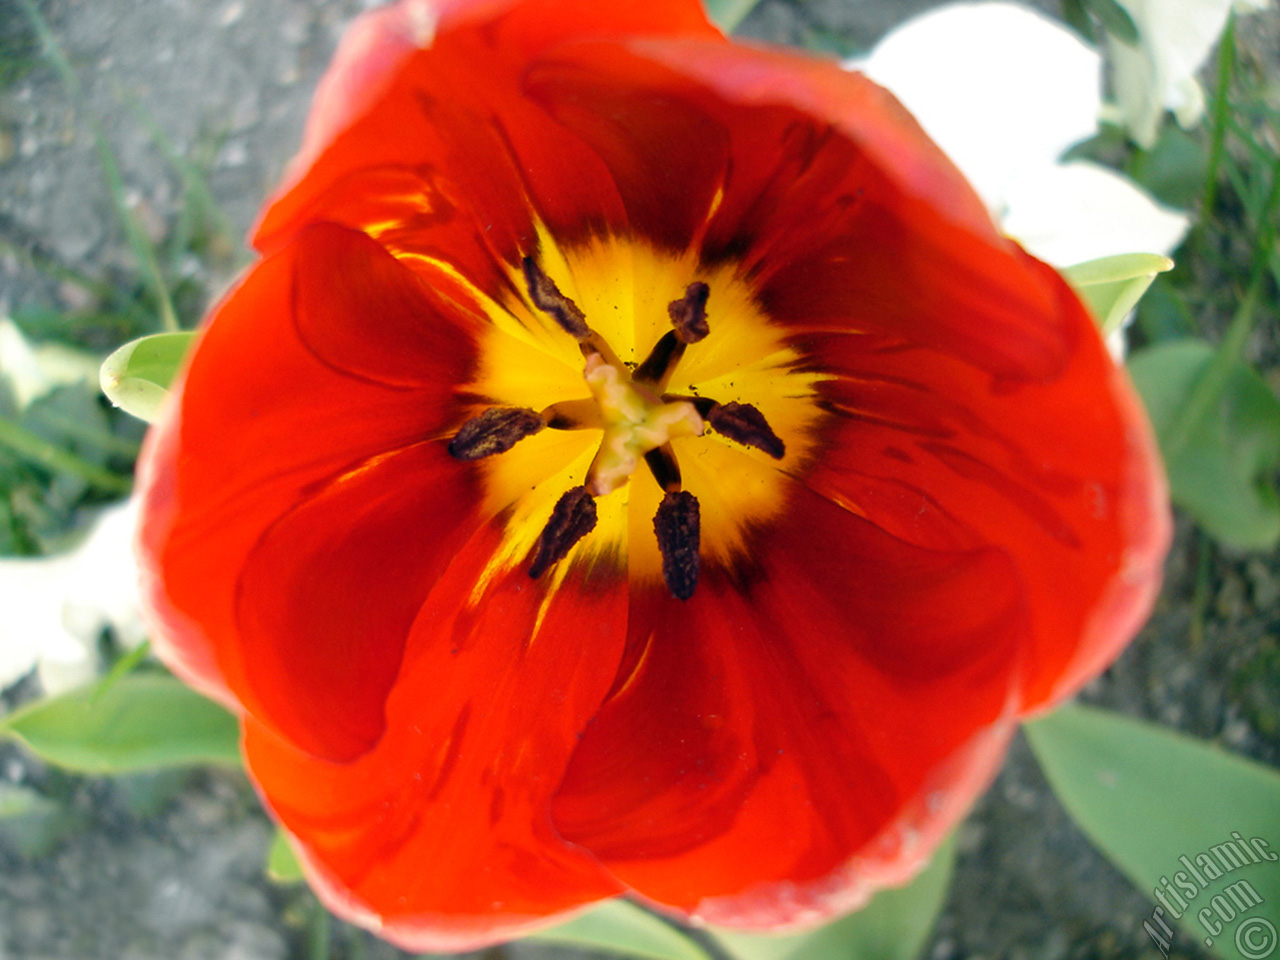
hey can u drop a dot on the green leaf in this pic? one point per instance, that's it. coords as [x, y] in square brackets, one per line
[282, 863]
[1116, 20]
[136, 723]
[1222, 474]
[1112, 286]
[727, 14]
[136, 377]
[1171, 812]
[625, 928]
[1077, 16]
[894, 926]
[1173, 170]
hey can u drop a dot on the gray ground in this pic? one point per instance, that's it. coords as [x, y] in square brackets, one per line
[168, 869]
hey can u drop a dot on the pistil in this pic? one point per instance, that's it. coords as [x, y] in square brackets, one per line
[636, 423]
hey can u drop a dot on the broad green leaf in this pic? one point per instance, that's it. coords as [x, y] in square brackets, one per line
[1222, 475]
[624, 928]
[282, 863]
[1112, 286]
[894, 926]
[136, 377]
[1173, 170]
[727, 14]
[1194, 823]
[136, 723]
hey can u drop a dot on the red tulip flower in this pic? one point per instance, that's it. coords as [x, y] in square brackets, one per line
[636, 465]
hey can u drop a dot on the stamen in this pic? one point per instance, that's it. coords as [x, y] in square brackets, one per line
[573, 517]
[745, 424]
[689, 318]
[677, 527]
[496, 430]
[689, 314]
[546, 296]
[665, 468]
[574, 415]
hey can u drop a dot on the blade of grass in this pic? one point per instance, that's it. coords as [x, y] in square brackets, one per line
[1200, 595]
[193, 179]
[123, 667]
[1207, 391]
[1221, 112]
[107, 442]
[38, 450]
[13, 241]
[143, 251]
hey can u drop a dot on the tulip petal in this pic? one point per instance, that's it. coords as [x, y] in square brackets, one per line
[362, 312]
[439, 837]
[1060, 473]
[276, 422]
[447, 168]
[327, 596]
[806, 710]
[816, 181]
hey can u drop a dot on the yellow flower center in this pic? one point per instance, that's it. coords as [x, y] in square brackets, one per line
[590, 345]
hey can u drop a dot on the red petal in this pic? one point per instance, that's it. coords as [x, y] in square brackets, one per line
[840, 695]
[263, 421]
[835, 204]
[439, 837]
[1061, 474]
[359, 310]
[449, 163]
[327, 596]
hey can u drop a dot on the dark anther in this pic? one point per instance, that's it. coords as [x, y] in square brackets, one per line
[689, 318]
[689, 313]
[676, 525]
[664, 467]
[745, 424]
[547, 296]
[496, 430]
[572, 519]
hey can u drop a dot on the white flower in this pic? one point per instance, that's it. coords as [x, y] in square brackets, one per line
[1174, 40]
[55, 607]
[1005, 91]
[31, 372]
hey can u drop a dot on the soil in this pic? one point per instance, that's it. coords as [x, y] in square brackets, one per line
[171, 868]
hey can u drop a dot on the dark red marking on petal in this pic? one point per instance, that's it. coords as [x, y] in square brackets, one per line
[453, 750]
